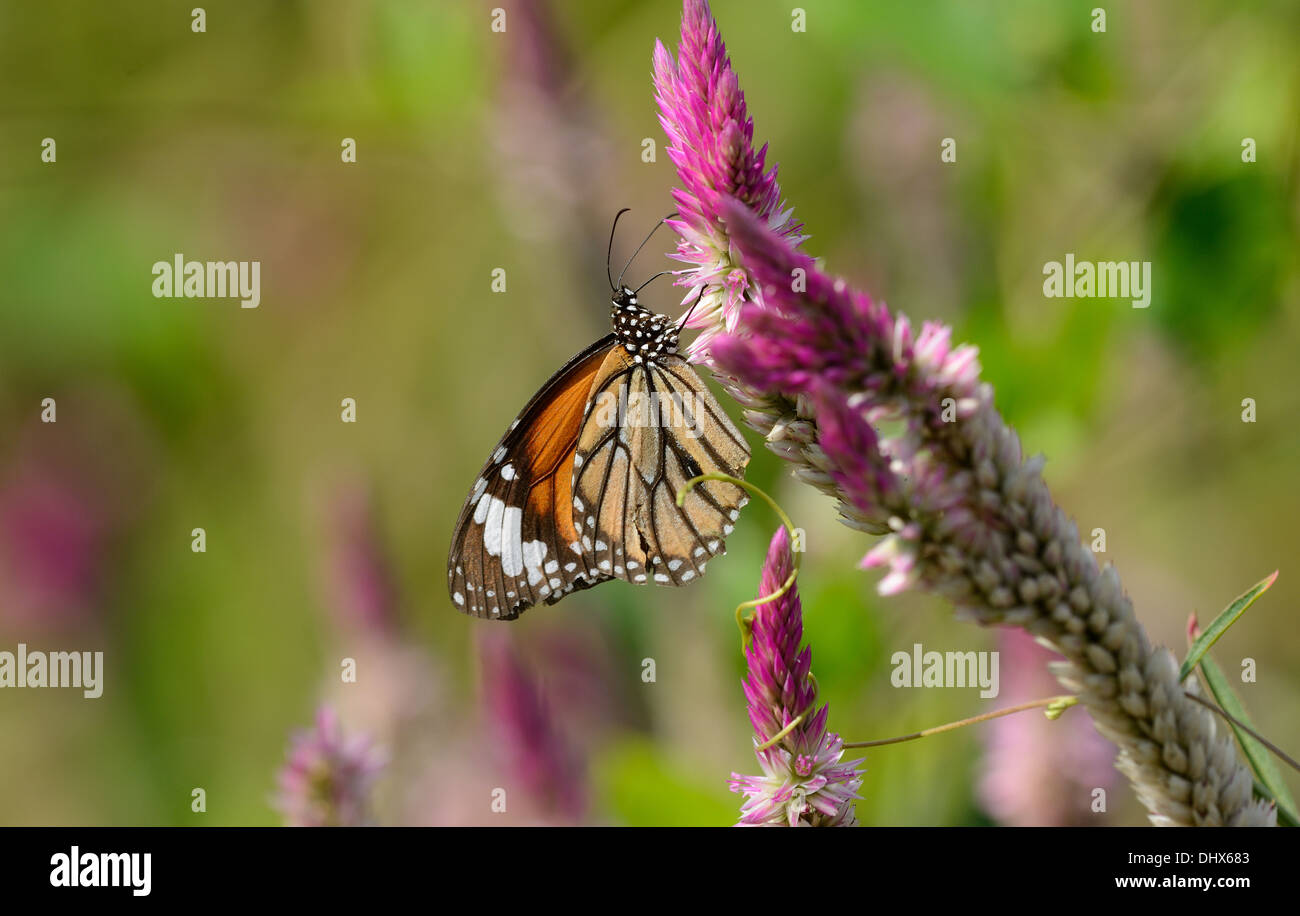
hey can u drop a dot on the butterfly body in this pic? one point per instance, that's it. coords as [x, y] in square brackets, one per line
[582, 488]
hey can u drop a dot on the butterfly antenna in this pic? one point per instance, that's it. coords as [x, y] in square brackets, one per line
[655, 277]
[681, 324]
[610, 250]
[642, 245]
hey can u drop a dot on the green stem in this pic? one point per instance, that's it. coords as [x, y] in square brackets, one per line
[1060, 701]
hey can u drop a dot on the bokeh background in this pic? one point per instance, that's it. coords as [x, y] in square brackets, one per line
[479, 150]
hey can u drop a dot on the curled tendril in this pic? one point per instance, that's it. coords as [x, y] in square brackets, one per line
[746, 623]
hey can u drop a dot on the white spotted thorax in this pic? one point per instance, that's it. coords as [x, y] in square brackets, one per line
[647, 336]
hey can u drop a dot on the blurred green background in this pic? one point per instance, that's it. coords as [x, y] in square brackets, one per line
[478, 150]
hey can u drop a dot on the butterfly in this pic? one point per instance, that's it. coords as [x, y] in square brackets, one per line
[582, 487]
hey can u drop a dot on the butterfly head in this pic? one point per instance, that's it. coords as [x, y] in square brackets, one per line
[645, 335]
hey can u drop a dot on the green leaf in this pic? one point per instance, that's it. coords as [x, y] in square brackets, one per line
[1261, 761]
[1221, 623]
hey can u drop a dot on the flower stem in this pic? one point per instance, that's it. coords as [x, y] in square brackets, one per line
[1283, 755]
[1059, 701]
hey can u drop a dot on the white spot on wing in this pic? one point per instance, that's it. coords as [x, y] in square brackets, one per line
[534, 554]
[492, 526]
[481, 510]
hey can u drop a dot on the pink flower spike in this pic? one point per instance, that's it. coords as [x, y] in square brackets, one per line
[710, 141]
[804, 782]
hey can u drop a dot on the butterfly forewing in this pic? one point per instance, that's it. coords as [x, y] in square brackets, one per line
[510, 549]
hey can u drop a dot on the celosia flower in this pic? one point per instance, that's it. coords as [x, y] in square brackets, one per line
[537, 755]
[804, 782]
[711, 136]
[968, 516]
[327, 779]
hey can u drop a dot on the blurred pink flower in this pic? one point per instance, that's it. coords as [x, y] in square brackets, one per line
[1038, 772]
[69, 490]
[553, 150]
[525, 735]
[360, 580]
[51, 549]
[327, 779]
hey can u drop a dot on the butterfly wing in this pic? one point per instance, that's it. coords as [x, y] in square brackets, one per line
[511, 546]
[650, 429]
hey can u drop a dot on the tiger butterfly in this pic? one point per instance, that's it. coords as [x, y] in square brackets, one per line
[582, 487]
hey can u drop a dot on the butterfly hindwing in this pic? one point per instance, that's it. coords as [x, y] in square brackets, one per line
[510, 549]
[651, 427]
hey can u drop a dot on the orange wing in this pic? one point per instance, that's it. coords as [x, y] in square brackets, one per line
[511, 547]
